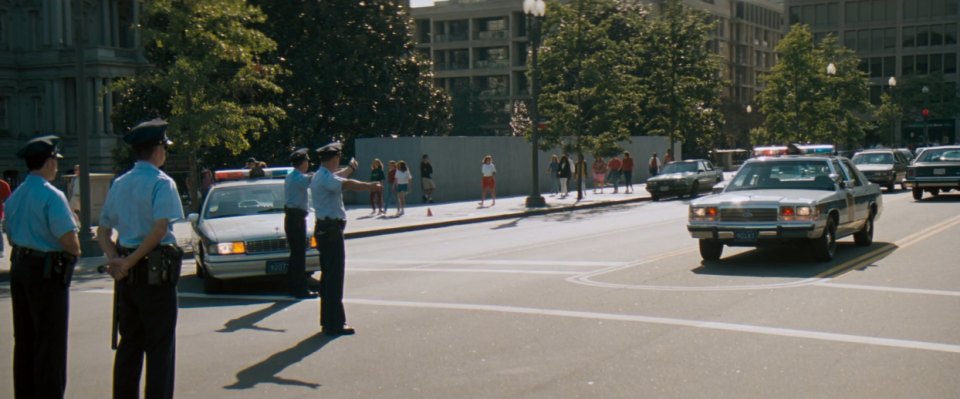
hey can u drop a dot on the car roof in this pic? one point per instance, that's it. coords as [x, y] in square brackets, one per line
[794, 158]
[247, 182]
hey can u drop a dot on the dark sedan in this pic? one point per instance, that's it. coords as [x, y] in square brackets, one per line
[936, 169]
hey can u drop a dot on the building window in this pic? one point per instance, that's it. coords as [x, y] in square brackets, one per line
[936, 63]
[889, 66]
[890, 39]
[850, 12]
[922, 66]
[950, 34]
[909, 37]
[923, 38]
[950, 63]
[907, 65]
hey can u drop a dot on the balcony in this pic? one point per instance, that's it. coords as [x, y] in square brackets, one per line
[492, 34]
[453, 37]
[491, 64]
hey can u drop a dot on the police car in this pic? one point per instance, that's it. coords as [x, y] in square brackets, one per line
[811, 197]
[239, 230]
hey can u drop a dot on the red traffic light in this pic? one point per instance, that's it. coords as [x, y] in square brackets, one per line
[925, 112]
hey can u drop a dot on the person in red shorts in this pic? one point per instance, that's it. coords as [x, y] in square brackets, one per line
[488, 182]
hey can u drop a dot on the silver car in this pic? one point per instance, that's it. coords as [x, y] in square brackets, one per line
[788, 200]
[239, 233]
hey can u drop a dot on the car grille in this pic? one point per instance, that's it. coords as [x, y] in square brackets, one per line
[748, 215]
[276, 245]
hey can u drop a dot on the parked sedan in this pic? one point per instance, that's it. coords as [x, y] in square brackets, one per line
[885, 167]
[811, 201]
[240, 233]
[935, 169]
[689, 177]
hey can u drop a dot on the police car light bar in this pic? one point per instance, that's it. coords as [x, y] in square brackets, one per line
[241, 174]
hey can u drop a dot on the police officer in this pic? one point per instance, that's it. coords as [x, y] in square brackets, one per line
[142, 205]
[43, 234]
[327, 188]
[295, 222]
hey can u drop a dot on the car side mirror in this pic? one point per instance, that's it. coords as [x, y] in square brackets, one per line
[193, 218]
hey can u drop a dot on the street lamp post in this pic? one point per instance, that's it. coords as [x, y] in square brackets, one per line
[88, 245]
[926, 114]
[535, 11]
[892, 82]
[749, 111]
[832, 71]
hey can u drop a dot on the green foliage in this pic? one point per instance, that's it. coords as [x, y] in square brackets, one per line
[354, 72]
[887, 115]
[802, 103]
[207, 77]
[611, 71]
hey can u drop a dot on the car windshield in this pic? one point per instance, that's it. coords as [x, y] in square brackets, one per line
[877, 159]
[679, 167]
[940, 155]
[783, 174]
[244, 200]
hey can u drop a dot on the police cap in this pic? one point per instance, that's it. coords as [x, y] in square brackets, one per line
[43, 145]
[299, 155]
[251, 159]
[149, 133]
[330, 149]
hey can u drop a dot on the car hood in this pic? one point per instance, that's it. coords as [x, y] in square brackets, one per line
[246, 228]
[670, 176]
[763, 197]
[875, 167]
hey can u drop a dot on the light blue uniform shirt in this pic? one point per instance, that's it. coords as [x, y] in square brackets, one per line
[137, 200]
[327, 190]
[37, 215]
[295, 190]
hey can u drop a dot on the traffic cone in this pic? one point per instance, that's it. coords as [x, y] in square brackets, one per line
[429, 213]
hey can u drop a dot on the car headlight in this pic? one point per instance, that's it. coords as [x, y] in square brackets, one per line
[797, 213]
[703, 214]
[229, 248]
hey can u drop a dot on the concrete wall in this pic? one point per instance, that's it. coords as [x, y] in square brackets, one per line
[456, 163]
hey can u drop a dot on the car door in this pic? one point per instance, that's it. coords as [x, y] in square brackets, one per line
[848, 212]
[900, 166]
[862, 194]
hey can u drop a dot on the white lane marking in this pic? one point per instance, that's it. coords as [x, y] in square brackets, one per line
[710, 325]
[918, 291]
[449, 270]
[484, 262]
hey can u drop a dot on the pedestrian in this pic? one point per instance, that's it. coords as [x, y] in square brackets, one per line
[377, 176]
[43, 234]
[488, 181]
[251, 163]
[73, 191]
[391, 189]
[554, 173]
[599, 173]
[4, 194]
[426, 179]
[614, 175]
[295, 209]
[563, 175]
[654, 165]
[142, 206]
[258, 170]
[327, 188]
[626, 171]
[403, 178]
[206, 181]
[668, 157]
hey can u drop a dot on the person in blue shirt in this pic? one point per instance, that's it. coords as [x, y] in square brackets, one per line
[142, 205]
[327, 189]
[295, 209]
[43, 233]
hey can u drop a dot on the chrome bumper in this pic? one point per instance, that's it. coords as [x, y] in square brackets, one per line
[226, 267]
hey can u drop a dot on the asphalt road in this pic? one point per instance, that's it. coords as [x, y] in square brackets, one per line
[607, 303]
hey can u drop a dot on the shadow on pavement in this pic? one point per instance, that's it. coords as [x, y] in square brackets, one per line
[267, 370]
[249, 321]
[794, 261]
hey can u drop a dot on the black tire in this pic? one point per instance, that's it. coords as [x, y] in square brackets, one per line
[890, 187]
[654, 198]
[695, 190]
[710, 250]
[864, 237]
[935, 192]
[917, 194]
[199, 264]
[825, 247]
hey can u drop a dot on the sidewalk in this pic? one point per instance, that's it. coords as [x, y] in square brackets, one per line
[361, 223]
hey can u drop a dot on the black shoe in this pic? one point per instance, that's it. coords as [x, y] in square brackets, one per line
[345, 330]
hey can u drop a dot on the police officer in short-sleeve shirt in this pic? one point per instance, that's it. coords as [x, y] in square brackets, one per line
[43, 234]
[327, 188]
[142, 205]
[295, 209]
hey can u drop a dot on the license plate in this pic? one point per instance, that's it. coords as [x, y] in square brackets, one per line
[940, 171]
[276, 267]
[664, 188]
[745, 235]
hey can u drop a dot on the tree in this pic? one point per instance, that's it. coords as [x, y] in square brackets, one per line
[801, 102]
[679, 79]
[207, 77]
[942, 99]
[354, 72]
[887, 115]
